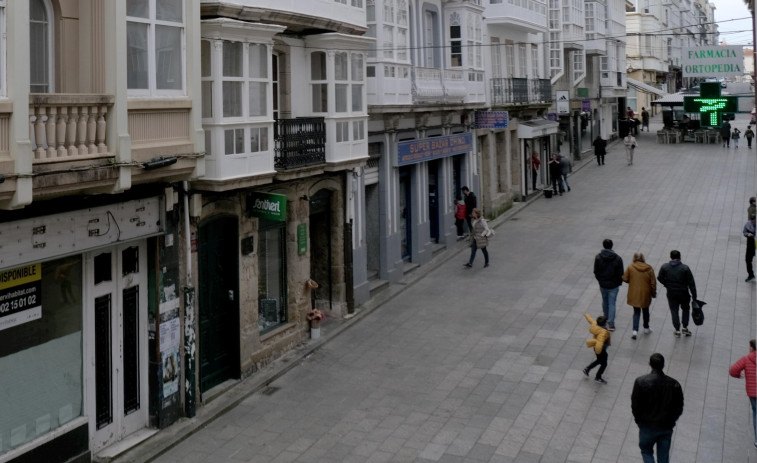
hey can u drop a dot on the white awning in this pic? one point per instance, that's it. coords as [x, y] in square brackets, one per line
[644, 87]
[536, 128]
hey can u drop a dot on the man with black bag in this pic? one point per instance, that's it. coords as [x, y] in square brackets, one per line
[679, 282]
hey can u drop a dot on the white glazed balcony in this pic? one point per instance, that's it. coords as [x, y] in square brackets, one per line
[519, 15]
[223, 162]
[432, 85]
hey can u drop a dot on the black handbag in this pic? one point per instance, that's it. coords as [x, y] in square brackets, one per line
[696, 311]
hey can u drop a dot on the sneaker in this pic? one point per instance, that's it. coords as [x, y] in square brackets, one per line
[749, 278]
[677, 333]
[611, 326]
[486, 265]
[633, 335]
[600, 381]
[647, 330]
[686, 331]
[468, 264]
[586, 371]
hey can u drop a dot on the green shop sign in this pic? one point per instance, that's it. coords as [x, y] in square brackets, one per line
[713, 61]
[268, 206]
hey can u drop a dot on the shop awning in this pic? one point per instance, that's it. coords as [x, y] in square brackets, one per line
[672, 99]
[644, 87]
[536, 128]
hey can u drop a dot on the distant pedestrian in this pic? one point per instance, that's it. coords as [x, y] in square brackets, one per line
[459, 216]
[749, 134]
[735, 135]
[566, 167]
[749, 232]
[752, 209]
[555, 174]
[629, 113]
[470, 203]
[535, 163]
[725, 133]
[642, 287]
[608, 270]
[644, 119]
[600, 341]
[600, 150]
[745, 368]
[630, 143]
[656, 403]
[481, 233]
[679, 282]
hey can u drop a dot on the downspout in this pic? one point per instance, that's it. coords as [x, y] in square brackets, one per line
[190, 344]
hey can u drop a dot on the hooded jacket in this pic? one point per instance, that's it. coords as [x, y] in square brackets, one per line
[600, 335]
[608, 269]
[656, 400]
[642, 286]
[747, 365]
[677, 279]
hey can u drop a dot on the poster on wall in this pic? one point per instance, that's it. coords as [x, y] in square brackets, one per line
[20, 295]
[170, 336]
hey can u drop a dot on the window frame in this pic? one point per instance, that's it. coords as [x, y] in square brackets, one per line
[50, 55]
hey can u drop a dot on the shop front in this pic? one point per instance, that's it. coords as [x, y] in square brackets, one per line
[536, 136]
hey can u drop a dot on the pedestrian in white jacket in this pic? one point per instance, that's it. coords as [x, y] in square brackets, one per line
[630, 144]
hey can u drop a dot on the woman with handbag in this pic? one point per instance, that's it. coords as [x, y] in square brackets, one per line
[642, 287]
[479, 238]
[630, 144]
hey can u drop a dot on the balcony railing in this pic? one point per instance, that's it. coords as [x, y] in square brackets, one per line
[300, 142]
[68, 126]
[518, 91]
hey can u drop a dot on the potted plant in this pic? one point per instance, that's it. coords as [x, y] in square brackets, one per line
[315, 316]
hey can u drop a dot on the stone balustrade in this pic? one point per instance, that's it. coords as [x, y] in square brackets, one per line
[68, 126]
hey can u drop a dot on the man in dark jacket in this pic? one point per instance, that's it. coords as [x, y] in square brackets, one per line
[678, 280]
[656, 402]
[470, 204]
[600, 149]
[749, 231]
[608, 270]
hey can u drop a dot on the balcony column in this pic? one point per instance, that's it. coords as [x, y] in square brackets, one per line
[81, 130]
[73, 118]
[92, 129]
[39, 132]
[60, 131]
[50, 137]
[101, 126]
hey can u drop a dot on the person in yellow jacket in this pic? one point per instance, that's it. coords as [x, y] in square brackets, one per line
[599, 342]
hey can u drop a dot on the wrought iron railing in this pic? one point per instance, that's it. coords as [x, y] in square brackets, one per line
[300, 142]
[518, 91]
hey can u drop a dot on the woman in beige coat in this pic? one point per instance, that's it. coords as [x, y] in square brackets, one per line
[642, 287]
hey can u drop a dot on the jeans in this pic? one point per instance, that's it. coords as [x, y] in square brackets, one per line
[565, 179]
[629, 154]
[675, 301]
[753, 401]
[601, 361]
[648, 437]
[637, 311]
[609, 296]
[473, 248]
[557, 183]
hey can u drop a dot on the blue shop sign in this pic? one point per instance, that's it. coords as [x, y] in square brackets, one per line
[427, 149]
[491, 119]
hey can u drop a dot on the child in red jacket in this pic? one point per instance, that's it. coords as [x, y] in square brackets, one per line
[746, 366]
[459, 216]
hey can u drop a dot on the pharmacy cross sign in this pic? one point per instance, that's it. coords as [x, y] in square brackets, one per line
[710, 105]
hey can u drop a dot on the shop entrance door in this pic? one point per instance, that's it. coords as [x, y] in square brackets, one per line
[218, 299]
[116, 342]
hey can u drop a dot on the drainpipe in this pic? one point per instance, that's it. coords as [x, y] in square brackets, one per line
[190, 344]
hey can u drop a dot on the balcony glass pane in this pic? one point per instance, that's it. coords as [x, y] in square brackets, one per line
[320, 98]
[205, 58]
[357, 98]
[258, 139]
[341, 97]
[138, 8]
[258, 100]
[357, 67]
[232, 99]
[39, 48]
[232, 59]
[340, 66]
[233, 141]
[169, 10]
[318, 66]
[136, 55]
[207, 98]
[258, 61]
[168, 57]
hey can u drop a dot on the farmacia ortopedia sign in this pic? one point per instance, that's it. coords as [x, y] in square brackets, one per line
[713, 61]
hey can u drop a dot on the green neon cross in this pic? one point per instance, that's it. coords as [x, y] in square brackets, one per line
[710, 105]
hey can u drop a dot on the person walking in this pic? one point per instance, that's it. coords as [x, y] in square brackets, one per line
[735, 137]
[752, 209]
[749, 134]
[600, 149]
[679, 282]
[459, 216]
[481, 233]
[642, 287]
[599, 341]
[535, 163]
[630, 143]
[745, 368]
[566, 167]
[555, 174]
[608, 270]
[470, 203]
[725, 133]
[749, 232]
[644, 119]
[656, 403]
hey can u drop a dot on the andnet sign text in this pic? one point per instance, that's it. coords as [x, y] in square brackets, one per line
[427, 149]
[269, 206]
[713, 61]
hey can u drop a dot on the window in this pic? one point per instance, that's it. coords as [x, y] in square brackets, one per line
[207, 80]
[358, 130]
[535, 61]
[40, 46]
[272, 289]
[319, 85]
[232, 79]
[155, 42]
[233, 141]
[258, 139]
[258, 79]
[342, 132]
[522, 68]
[357, 76]
[456, 46]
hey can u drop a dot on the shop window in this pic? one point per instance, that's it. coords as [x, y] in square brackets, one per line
[272, 290]
[41, 351]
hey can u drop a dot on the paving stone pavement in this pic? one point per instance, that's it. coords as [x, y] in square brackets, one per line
[484, 365]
